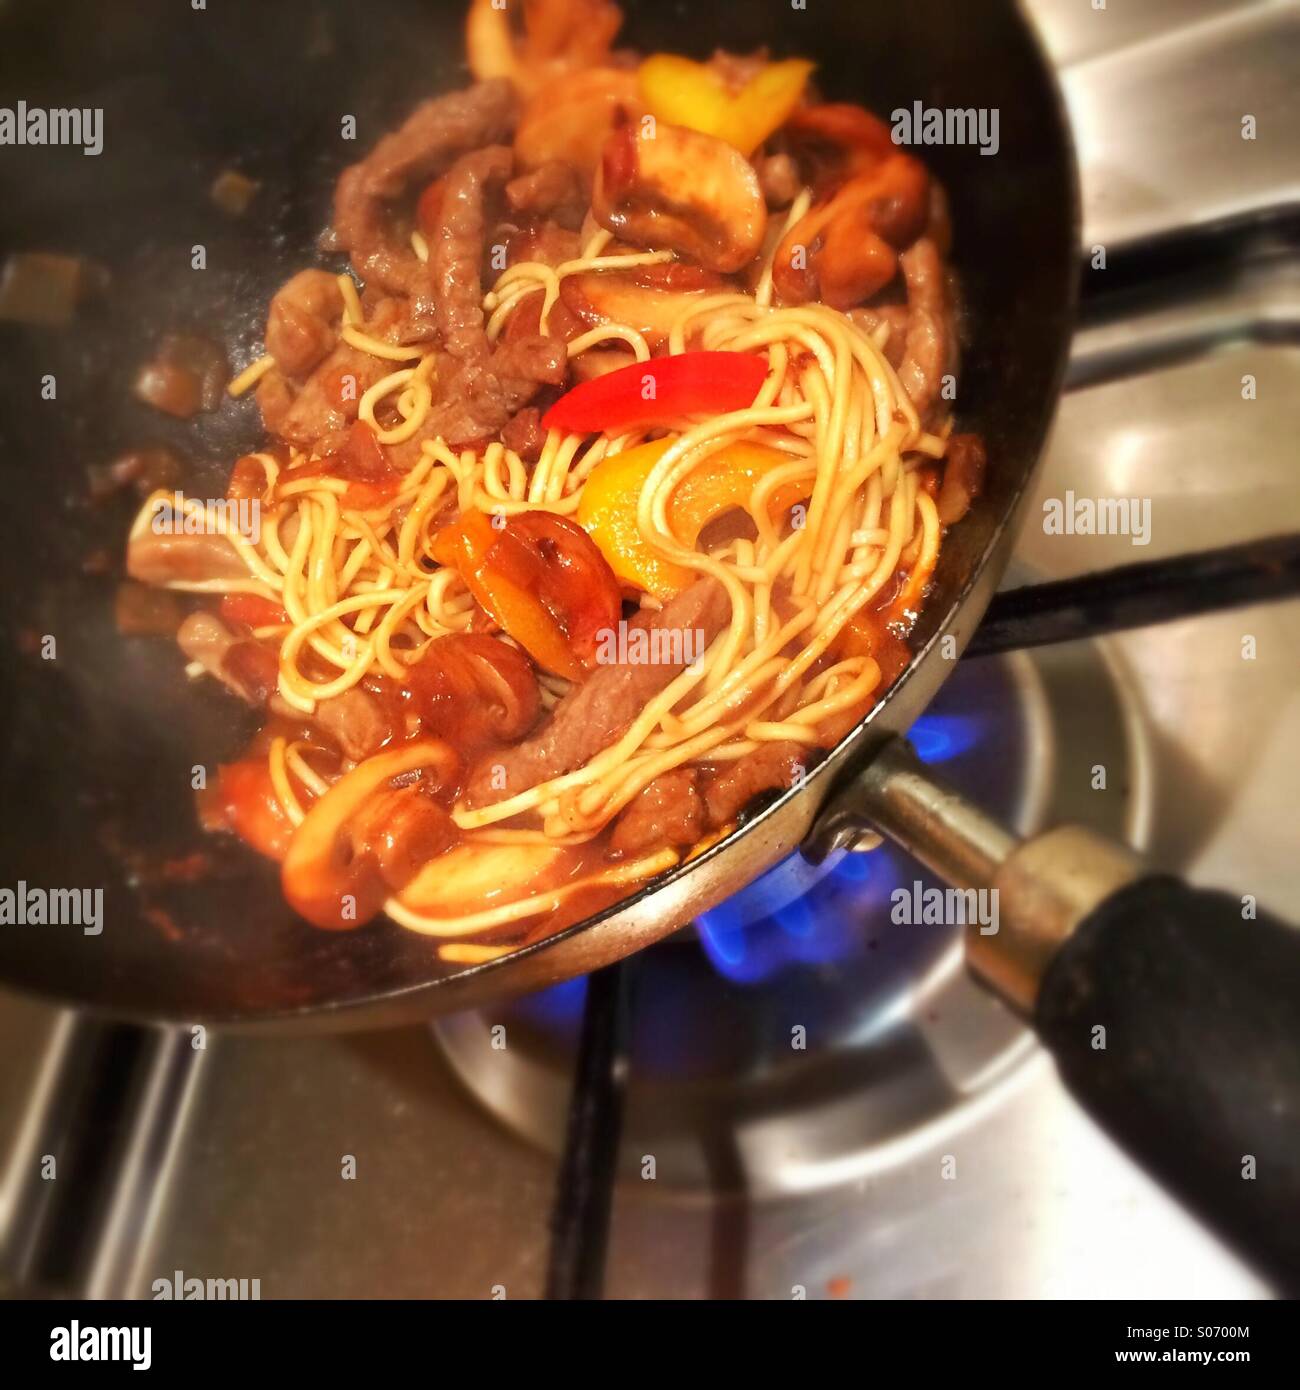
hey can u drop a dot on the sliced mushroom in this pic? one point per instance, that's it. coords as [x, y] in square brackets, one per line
[474, 690]
[473, 878]
[665, 186]
[366, 837]
[163, 558]
[839, 140]
[846, 249]
[597, 297]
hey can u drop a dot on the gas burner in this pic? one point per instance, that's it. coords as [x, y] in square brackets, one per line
[795, 1037]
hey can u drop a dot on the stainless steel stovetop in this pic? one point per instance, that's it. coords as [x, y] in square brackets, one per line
[921, 1145]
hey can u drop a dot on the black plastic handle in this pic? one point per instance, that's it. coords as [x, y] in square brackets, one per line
[1197, 1071]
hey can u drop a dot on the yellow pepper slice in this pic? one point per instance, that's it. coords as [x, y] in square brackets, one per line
[725, 481]
[684, 93]
[607, 512]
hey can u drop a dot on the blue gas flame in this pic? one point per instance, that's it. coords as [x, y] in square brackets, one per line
[798, 913]
[938, 737]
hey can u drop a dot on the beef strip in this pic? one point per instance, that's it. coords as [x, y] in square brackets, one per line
[595, 714]
[246, 667]
[893, 315]
[161, 557]
[553, 189]
[525, 435]
[496, 382]
[964, 466]
[929, 344]
[204, 638]
[424, 146]
[779, 178]
[311, 412]
[356, 720]
[547, 242]
[734, 785]
[307, 413]
[668, 811]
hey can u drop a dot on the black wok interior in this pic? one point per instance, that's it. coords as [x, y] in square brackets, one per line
[99, 743]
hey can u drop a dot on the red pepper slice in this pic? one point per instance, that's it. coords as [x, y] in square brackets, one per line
[246, 798]
[665, 388]
[252, 610]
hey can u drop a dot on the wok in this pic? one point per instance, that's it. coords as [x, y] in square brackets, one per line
[103, 735]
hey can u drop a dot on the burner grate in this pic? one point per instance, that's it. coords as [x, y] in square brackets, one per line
[1140, 595]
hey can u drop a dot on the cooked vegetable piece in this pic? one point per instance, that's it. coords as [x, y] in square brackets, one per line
[250, 807]
[188, 375]
[722, 483]
[368, 836]
[475, 689]
[685, 93]
[540, 578]
[665, 186]
[557, 37]
[252, 610]
[848, 138]
[39, 287]
[569, 119]
[232, 192]
[608, 511]
[846, 249]
[666, 388]
[637, 300]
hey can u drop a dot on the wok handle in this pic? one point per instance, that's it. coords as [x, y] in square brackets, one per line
[1200, 1072]
[1173, 1013]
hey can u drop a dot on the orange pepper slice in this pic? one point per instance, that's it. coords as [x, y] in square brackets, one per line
[541, 579]
[252, 610]
[685, 93]
[465, 545]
